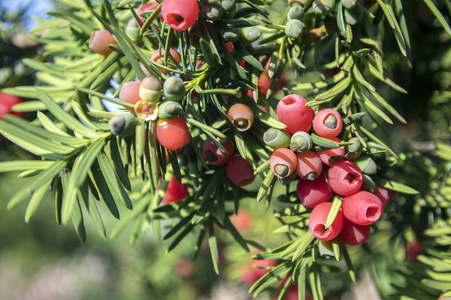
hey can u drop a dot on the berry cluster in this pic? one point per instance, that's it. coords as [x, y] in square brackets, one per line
[325, 172]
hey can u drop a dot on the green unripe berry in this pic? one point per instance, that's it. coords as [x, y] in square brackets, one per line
[150, 89]
[296, 12]
[366, 164]
[349, 4]
[132, 29]
[174, 89]
[301, 141]
[122, 125]
[212, 11]
[354, 16]
[276, 138]
[231, 35]
[304, 3]
[169, 110]
[294, 28]
[323, 7]
[229, 8]
[355, 149]
[253, 34]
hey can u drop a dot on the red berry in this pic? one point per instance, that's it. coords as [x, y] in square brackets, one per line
[317, 222]
[7, 101]
[239, 171]
[362, 208]
[146, 7]
[250, 273]
[130, 92]
[291, 111]
[345, 178]
[241, 116]
[175, 191]
[99, 41]
[332, 156]
[180, 14]
[214, 155]
[383, 194]
[172, 134]
[413, 249]
[158, 57]
[327, 123]
[313, 192]
[283, 162]
[353, 234]
[309, 165]
[242, 221]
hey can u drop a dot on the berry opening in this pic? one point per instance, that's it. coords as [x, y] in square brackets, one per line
[321, 231]
[246, 181]
[211, 156]
[310, 176]
[288, 100]
[350, 177]
[334, 159]
[175, 20]
[330, 122]
[281, 170]
[241, 123]
[372, 213]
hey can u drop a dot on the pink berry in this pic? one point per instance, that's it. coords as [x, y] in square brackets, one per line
[362, 208]
[146, 7]
[313, 192]
[383, 194]
[130, 92]
[172, 134]
[309, 165]
[214, 156]
[239, 171]
[291, 111]
[180, 14]
[99, 41]
[345, 178]
[327, 123]
[332, 156]
[317, 222]
[353, 234]
[283, 162]
[158, 57]
[175, 191]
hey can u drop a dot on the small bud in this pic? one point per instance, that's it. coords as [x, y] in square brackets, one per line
[229, 8]
[174, 89]
[254, 34]
[212, 11]
[356, 145]
[276, 138]
[150, 89]
[294, 28]
[323, 7]
[296, 12]
[354, 16]
[301, 141]
[366, 164]
[122, 125]
[349, 4]
[231, 35]
[169, 110]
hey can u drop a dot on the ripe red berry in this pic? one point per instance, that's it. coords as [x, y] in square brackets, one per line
[309, 165]
[345, 178]
[327, 123]
[146, 7]
[99, 41]
[383, 194]
[175, 191]
[283, 162]
[172, 134]
[353, 234]
[241, 116]
[130, 92]
[180, 14]
[7, 101]
[158, 57]
[317, 222]
[313, 192]
[332, 156]
[362, 208]
[214, 156]
[291, 111]
[239, 171]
